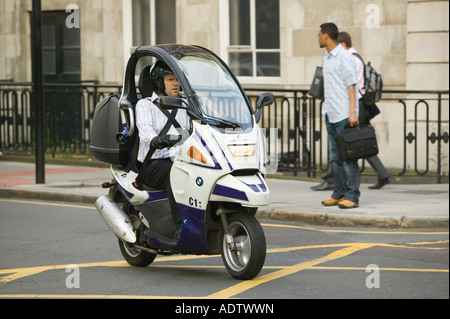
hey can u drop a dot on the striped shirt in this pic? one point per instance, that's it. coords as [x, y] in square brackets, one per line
[150, 121]
[339, 72]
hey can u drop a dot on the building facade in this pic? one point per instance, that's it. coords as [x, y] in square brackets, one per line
[269, 44]
[266, 42]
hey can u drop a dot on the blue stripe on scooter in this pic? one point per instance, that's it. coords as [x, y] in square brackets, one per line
[229, 192]
[257, 187]
[202, 141]
[262, 185]
[223, 153]
[126, 193]
[155, 196]
[253, 187]
[152, 196]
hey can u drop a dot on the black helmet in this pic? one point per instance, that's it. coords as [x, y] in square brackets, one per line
[157, 75]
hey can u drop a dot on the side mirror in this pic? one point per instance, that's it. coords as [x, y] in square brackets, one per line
[264, 99]
[175, 102]
[171, 102]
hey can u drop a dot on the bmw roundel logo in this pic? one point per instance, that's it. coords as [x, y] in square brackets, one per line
[199, 181]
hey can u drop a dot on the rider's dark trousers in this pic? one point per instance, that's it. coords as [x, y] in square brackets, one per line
[157, 175]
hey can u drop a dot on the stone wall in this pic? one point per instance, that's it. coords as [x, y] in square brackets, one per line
[15, 61]
[383, 41]
[406, 41]
[427, 45]
[101, 39]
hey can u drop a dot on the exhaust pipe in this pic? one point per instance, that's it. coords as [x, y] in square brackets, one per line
[115, 218]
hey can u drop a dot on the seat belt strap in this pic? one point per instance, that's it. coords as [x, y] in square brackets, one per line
[170, 121]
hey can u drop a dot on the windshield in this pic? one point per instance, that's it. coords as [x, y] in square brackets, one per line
[221, 101]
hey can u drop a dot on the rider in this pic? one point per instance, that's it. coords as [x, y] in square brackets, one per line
[150, 121]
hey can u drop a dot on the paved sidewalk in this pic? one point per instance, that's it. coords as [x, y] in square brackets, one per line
[394, 206]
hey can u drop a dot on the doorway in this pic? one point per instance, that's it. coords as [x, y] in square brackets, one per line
[60, 49]
[63, 92]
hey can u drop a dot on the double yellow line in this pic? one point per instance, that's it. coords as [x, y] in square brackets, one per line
[230, 292]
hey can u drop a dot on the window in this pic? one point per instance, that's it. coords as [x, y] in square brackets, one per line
[254, 37]
[141, 22]
[60, 49]
[153, 22]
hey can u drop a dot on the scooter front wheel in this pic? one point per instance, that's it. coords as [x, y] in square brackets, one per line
[246, 259]
[135, 256]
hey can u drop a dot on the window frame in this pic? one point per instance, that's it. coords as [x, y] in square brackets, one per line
[127, 21]
[226, 48]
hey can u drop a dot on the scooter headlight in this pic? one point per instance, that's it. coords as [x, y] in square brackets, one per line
[242, 150]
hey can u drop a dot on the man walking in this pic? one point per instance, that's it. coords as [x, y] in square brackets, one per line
[383, 175]
[340, 109]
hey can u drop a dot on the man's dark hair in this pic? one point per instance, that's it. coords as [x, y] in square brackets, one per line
[346, 38]
[331, 29]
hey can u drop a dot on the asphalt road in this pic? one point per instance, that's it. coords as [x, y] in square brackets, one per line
[57, 250]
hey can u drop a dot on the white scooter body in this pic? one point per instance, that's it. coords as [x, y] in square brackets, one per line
[215, 183]
[216, 178]
[196, 183]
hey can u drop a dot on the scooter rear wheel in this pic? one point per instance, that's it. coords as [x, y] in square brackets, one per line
[246, 261]
[135, 256]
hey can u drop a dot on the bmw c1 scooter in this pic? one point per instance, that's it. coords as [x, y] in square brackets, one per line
[217, 177]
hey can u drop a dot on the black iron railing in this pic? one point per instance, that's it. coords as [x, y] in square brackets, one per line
[422, 115]
[69, 110]
[421, 147]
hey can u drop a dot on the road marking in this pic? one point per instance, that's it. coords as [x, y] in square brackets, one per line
[381, 269]
[52, 296]
[46, 203]
[289, 270]
[410, 245]
[16, 273]
[230, 292]
[393, 232]
[344, 250]
[430, 242]
[262, 224]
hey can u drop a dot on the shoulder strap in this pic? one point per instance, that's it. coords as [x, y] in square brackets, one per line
[170, 117]
[364, 70]
[359, 57]
[170, 121]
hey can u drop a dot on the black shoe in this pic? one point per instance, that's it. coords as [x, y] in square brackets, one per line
[324, 186]
[380, 184]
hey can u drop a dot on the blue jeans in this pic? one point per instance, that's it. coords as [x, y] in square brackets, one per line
[347, 177]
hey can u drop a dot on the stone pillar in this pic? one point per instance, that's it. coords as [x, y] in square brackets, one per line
[427, 45]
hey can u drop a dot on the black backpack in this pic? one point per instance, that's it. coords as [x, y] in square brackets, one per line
[372, 82]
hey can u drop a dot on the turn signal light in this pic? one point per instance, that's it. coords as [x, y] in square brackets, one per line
[194, 153]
